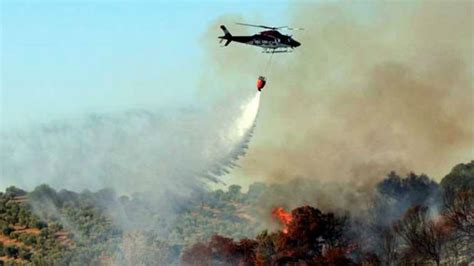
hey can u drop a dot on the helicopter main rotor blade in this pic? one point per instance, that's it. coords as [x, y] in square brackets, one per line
[289, 28]
[295, 28]
[268, 27]
[258, 26]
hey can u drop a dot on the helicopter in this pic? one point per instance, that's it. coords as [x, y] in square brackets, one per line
[271, 40]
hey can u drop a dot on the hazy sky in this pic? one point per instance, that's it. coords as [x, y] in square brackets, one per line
[62, 58]
[406, 66]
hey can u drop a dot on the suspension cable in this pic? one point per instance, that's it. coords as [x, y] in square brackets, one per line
[268, 63]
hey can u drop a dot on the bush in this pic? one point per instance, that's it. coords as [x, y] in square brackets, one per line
[25, 253]
[15, 235]
[2, 250]
[15, 192]
[44, 232]
[11, 251]
[30, 240]
[40, 225]
[7, 230]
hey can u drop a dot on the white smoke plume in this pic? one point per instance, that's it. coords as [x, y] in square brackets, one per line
[143, 151]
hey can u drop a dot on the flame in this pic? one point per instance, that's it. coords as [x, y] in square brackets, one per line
[284, 217]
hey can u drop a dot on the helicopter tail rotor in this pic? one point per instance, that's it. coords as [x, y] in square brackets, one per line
[227, 36]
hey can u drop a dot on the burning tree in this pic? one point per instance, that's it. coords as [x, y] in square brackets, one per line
[198, 254]
[424, 238]
[309, 236]
[284, 217]
[459, 212]
[221, 250]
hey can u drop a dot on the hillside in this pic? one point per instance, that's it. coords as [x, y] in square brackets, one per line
[49, 227]
[45, 226]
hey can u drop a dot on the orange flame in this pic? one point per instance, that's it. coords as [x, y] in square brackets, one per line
[284, 217]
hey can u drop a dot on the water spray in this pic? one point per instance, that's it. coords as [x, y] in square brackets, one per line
[237, 136]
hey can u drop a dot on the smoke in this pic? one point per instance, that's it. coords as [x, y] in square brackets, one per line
[373, 88]
[163, 155]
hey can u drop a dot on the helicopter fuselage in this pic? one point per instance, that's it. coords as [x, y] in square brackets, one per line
[270, 39]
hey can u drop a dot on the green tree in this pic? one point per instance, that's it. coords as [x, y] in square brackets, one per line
[234, 192]
[461, 176]
[15, 192]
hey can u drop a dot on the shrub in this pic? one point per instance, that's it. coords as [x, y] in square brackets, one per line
[24, 253]
[11, 251]
[7, 230]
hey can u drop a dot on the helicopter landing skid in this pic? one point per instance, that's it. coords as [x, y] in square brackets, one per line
[274, 51]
